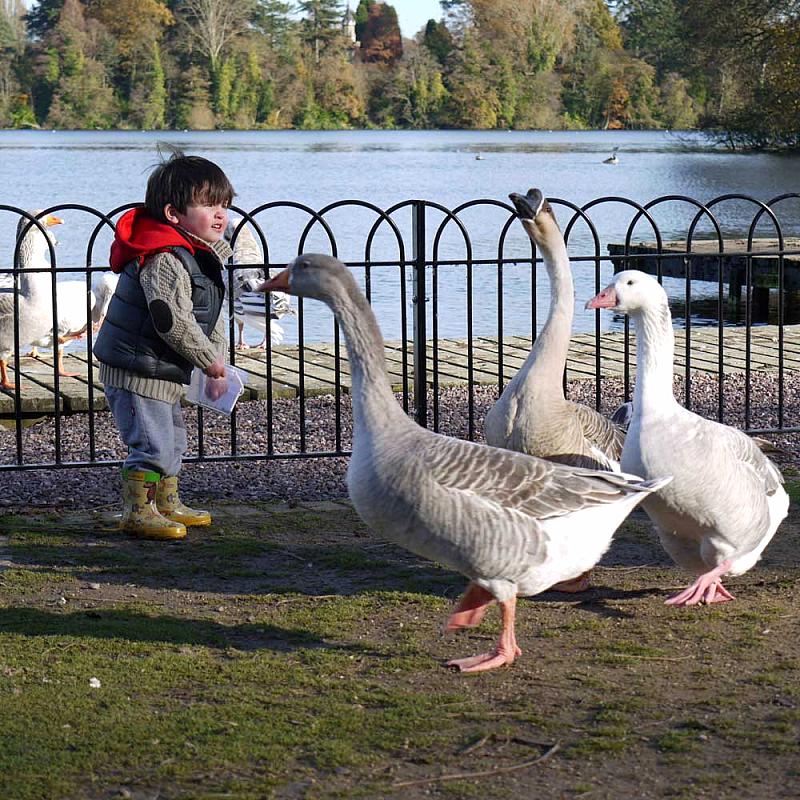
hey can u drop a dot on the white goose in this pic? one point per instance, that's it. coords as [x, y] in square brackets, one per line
[34, 295]
[104, 287]
[72, 321]
[532, 415]
[726, 500]
[512, 523]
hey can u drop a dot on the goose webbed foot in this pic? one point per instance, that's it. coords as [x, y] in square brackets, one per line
[706, 589]
[574, 585]
[506, 651]
[470, 609]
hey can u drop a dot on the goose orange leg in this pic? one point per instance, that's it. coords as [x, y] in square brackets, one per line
[4, 381]
[61, 370]
[470, 608]
[506, 650]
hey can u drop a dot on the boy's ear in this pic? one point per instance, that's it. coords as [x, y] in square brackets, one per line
[171, 213]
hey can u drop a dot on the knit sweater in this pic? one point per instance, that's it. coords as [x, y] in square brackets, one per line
[163, 277]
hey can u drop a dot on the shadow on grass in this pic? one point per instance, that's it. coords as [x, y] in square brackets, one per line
[133, 627]
[247, 566]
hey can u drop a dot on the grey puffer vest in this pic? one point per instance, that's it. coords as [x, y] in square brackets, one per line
[128, 339]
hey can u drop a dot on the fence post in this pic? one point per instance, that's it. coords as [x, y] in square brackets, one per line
[420, 320]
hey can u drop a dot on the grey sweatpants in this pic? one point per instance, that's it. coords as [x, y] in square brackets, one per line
[153, 430]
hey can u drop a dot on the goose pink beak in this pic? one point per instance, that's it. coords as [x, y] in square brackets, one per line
[606, 299]
[280, 283]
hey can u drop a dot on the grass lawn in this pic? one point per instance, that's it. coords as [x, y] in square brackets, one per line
[290, 653]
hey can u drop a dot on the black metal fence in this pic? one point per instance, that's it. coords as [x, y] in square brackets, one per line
[734, 257]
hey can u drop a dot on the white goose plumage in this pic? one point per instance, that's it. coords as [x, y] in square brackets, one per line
[34, 293]
[512, 523]
[726, 500]
[532, 415]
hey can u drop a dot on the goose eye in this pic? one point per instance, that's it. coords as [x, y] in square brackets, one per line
[630, 283]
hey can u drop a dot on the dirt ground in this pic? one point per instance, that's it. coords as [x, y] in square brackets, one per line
[616, 695]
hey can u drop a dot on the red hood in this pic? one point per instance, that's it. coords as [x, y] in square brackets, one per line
[139, 236]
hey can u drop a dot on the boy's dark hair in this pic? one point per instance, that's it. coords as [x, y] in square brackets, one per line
[182, 180]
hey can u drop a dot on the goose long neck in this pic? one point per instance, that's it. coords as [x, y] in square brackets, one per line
[31, 255]
[374, 404]
[552, 344]
[655, 352]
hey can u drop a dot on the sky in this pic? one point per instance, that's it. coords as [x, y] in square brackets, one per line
[413, 14]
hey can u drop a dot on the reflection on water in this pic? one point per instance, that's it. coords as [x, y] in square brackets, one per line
[104, 170]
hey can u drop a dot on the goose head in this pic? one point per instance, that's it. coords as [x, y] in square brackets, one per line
[313, 275]
[34, 248]
[631, 292]
[536, 215]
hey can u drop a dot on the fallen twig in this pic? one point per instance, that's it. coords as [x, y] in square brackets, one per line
[482, 774]
[476, 745]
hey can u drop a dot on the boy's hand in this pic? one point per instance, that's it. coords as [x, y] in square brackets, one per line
[217, 369]
[216, 387]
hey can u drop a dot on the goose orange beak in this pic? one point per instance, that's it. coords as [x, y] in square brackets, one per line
[606, 299]
[280, 283]
[51, 220]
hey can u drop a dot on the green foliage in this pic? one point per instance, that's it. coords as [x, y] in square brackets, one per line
[361, 15]
[438, 39]
[730, 66]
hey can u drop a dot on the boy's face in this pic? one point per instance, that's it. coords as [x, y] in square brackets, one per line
[207, 221]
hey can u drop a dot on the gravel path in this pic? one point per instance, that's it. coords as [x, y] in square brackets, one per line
[293, 479]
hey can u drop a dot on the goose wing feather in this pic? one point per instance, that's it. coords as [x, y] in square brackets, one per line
[6, 301]
[602, 433]
[722, 480]
[537, 488]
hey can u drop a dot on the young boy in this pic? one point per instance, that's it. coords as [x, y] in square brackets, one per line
[164, 319]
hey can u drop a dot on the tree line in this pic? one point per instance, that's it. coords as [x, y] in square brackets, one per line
[729, 67]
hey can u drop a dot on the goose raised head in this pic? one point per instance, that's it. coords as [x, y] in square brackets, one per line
[532, 415]
[512, 523]
[726, 499]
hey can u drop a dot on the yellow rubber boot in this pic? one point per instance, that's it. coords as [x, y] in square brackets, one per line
[170, 505]
[140, 516]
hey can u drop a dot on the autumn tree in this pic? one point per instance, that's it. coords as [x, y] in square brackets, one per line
[82, 96]
[381, 42]
[136, 28]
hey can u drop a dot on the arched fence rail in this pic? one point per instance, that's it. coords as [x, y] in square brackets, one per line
[460, 294]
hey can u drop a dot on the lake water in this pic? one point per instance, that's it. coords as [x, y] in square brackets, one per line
[108, 169]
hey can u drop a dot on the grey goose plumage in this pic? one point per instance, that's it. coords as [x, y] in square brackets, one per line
[512, 523]
[532, 415]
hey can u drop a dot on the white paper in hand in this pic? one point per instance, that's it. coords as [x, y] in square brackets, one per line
[197, 392]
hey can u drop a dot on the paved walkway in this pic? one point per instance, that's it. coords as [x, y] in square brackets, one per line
[319, 365]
